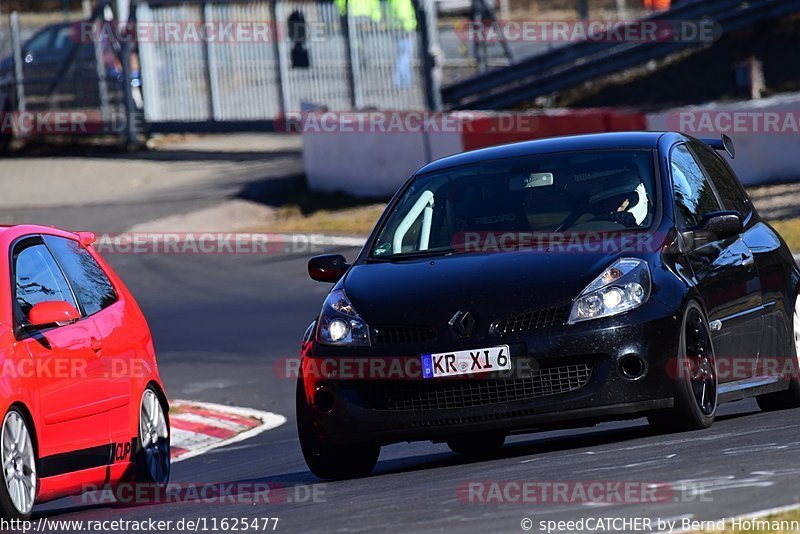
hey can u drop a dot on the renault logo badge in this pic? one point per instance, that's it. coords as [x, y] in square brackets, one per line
[462, 323]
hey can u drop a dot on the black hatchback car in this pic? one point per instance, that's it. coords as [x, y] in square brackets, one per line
[551, 283]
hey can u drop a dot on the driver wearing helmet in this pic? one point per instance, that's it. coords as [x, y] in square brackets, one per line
[622, 199]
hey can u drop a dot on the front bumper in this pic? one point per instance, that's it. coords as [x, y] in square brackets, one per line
[562, 376]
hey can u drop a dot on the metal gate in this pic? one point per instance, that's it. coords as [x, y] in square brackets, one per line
[209, 65]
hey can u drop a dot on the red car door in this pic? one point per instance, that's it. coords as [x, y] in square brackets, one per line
[66, 363]
[119, 357]
[117, 341]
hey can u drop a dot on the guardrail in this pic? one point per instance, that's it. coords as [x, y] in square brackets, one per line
[569, 66]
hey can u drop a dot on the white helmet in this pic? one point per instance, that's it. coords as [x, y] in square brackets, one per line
[625, 183]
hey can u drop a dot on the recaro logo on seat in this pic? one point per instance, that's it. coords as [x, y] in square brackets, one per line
[494, 219]
[462, 323]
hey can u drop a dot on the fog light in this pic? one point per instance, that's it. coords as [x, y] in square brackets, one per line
[338, 329]
[324, 400]
[632, 367]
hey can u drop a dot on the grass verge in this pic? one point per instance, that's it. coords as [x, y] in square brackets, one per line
[357, 221]
[790, 231]
[780, 523]
[305, 211]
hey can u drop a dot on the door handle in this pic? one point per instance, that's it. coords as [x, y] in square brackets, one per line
[96, 345]
[747, 261]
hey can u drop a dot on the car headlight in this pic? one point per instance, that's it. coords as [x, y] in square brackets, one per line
[624, 286]
[340, 324]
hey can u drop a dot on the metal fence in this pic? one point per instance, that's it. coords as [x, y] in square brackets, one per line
[296, 55]
[171, 68]
[54, 81]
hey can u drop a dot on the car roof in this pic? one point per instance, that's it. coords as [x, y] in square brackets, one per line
[600, 141]
[57, 25]
[16, 230]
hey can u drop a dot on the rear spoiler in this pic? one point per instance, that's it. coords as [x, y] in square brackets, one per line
[86, 238]
[724, 143]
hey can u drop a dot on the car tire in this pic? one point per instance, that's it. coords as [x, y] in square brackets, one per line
[789, 398]
[695, 375]
[477, 445]
[20, 481]
[151, 458]
[331, 461]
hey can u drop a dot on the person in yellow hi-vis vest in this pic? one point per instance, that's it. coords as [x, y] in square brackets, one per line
[365, 15]
[361, 9]
[402, 18]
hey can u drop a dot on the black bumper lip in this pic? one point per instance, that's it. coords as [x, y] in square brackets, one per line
[650, 332]
[433, 428]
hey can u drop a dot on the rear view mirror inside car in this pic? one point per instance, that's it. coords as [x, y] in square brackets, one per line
[536, 179]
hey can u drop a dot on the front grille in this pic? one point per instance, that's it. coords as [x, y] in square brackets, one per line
[531, 320]
[399, 335]
[444, 394]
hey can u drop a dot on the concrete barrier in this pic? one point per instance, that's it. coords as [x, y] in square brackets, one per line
[371, 154]
[370, 160]
[501, 128]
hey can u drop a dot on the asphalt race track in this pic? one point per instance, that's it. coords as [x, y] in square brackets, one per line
[221, 323]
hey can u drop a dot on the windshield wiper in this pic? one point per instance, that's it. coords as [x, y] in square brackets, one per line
[415, 254]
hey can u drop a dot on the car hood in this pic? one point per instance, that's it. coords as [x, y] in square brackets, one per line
[490, 286]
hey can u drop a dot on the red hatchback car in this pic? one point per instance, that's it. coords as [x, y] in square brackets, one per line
[82, 402]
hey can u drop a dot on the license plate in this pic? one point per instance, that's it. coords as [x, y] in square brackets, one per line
[466, 362]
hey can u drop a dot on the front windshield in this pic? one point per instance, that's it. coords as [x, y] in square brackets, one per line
[587, 191]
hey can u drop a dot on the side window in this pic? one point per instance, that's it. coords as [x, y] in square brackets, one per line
[64, 38]
[726, 182]
[40, 42]
[91, 284]
[38, 278]
[694, 196]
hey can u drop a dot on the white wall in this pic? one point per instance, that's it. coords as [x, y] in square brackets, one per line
[761, 156]
[370, 164]
[375, 163]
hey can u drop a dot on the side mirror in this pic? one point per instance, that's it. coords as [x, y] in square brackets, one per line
[327, 268]
[722, 224]
[52, 312]
[715, 226]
